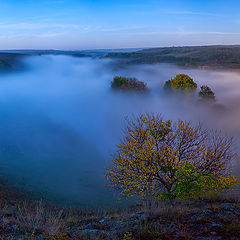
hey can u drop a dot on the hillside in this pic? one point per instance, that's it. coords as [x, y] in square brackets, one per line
[9, 61]
[202, 56]
[196, 56]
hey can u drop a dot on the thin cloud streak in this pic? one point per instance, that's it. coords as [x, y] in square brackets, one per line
[27, 35]
[50, 35]
[122, 28]
[53, 2]
[194, 13]
[184, 33]
[35, 26]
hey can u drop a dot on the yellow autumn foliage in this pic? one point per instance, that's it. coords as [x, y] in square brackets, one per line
[158, 156]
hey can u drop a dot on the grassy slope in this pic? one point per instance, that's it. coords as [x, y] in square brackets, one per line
[23, 218]
[215, 56]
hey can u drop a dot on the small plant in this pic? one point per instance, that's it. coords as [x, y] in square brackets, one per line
[127, 236]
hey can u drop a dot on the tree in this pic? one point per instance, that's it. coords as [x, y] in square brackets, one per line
[123, 83]
[207, 94]
[182, 83]
[168, 160]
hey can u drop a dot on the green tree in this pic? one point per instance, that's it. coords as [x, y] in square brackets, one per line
[182, 83]
[171, 160]
[123, 83]
[207, 94]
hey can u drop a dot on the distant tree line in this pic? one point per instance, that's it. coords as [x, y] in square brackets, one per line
[216, 56]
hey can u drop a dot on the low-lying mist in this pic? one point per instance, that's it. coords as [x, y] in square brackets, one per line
[60, 121]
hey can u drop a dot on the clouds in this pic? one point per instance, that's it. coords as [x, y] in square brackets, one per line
[54, 2]
[194, 13]
[36, 26]
[50, 35]
[115, 24]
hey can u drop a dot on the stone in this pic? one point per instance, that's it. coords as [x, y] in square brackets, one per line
[139, 215]
[102, 219]
[228, 207]
[215, 225]
[91, 232]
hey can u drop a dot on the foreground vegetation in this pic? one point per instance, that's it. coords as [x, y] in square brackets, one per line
[167, 160]
[178, 169]
[215, 217]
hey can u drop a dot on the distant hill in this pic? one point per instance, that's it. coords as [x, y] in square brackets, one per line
[10, 61]
[202, 56]
[196, 56]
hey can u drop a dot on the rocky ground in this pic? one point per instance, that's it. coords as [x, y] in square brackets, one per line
[213, 218]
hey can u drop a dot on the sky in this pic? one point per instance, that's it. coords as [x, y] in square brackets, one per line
[104, 24]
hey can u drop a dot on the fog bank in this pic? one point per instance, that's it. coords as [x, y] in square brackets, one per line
[60, 121]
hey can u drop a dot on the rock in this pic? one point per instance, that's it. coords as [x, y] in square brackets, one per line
[206, 212]
[84, 232]
[215, 225]
[139, 215]
[91, 232]
[226, 216]
[75, 229]
[172, 227]
[200, 218]
[96, 225]
[228, 207]
[89, 226]
[134, 215]
[115, 225]
[102, 219]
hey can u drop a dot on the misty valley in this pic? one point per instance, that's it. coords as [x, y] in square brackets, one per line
[119, 120]
[61, 121]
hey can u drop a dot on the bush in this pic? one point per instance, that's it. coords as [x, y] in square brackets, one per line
[182, 83]
[207, 94]
[123, 83]
[171, 160]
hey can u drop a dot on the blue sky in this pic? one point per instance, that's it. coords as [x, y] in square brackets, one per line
[94, 24]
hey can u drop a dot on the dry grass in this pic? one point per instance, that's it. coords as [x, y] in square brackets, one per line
[37, 217]
[20, 218]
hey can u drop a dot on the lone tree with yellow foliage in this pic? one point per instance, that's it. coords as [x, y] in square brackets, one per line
[182, 83]
[170, 160]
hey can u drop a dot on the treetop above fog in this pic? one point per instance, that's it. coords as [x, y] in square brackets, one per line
[207, 94]
[124, 83]
[181, 83]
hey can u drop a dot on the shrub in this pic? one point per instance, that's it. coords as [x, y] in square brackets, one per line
[207, 94]
[171, 160]
[182, 83]
[123, 83]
